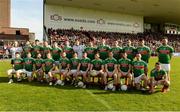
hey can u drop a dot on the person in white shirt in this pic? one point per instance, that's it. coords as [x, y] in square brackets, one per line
[78, 48]
[15, 49]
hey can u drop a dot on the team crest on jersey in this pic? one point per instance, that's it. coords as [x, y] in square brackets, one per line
[110, 64]
[164, 51]
[17, 62]
[84, 64]
[48, 63]
[124, 65]
[138, 66]
[143, 52]
[55, 51]
[90, 51]
[28, 62]
[75, 63]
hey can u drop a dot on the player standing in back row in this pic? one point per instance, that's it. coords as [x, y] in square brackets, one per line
[144, 51]
[165, 53]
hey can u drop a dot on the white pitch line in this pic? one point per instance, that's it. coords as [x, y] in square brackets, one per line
[99, 100]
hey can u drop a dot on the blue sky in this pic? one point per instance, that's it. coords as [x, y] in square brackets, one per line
[28, 14]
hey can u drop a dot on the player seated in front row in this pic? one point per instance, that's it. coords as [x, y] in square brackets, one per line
[97, 67]
[38, 69]
[64, 64]
[83, 69]
[48, 67]
[139, 69]
[74, 63]
[158, 77]
[17, 68]
[110, 71]
[29, 66]
[124, 69]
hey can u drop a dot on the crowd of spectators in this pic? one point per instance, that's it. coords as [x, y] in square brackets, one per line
[151, 39]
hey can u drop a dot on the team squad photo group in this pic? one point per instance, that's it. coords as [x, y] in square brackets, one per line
[114, 67]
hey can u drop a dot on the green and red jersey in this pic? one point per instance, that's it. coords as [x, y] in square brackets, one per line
[28, 64]
[46, 50]
[18, 63]
[26, 50]
[130, 51]
[97, 64]
[110, 62]
[116, 52]
[48, 64]
[164, 54]
[74, 63]
[64, 62]
[38, 63]
[103, 51]
[139, 67]
[84, 63]
[158, 75]
[124, 64]
[90, 52]
[36, 49]
[145, 53]
[56, 53]
[69, 51]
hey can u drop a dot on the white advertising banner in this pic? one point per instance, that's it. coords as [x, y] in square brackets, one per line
[91, 20]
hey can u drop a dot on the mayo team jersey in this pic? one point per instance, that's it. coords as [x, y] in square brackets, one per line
[64, 62]
[130, 51]
[124, 64]
[84, 63]
[74, 63]
[56, 53]
[116, 52]
[18, 63]
[164, 54]
[103, 51]
[90, 52]
[158, 75]
[110, 64]
[138, 67]
[28, 64]
[97, 64]
[69, 51]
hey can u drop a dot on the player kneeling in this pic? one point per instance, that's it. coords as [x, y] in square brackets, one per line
[110, 71]
[29, 66]
[83, 69]
[139, 69]
[48, 67]
[38, 69]
[18, 65]
[124, 69]
[97, 67]
[158, 77]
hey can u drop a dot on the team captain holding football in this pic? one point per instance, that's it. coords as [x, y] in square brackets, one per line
[79, 64]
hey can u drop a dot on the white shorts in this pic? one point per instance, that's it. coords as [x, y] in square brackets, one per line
[29, 74]
[73, 71]
[56, 63]
[138, 79]
[46, 76]
[13, 71]
[124, 73]
[82, 72]
[166, 67]
[62, 70]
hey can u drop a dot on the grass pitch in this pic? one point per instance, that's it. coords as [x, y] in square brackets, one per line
[42, 97]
